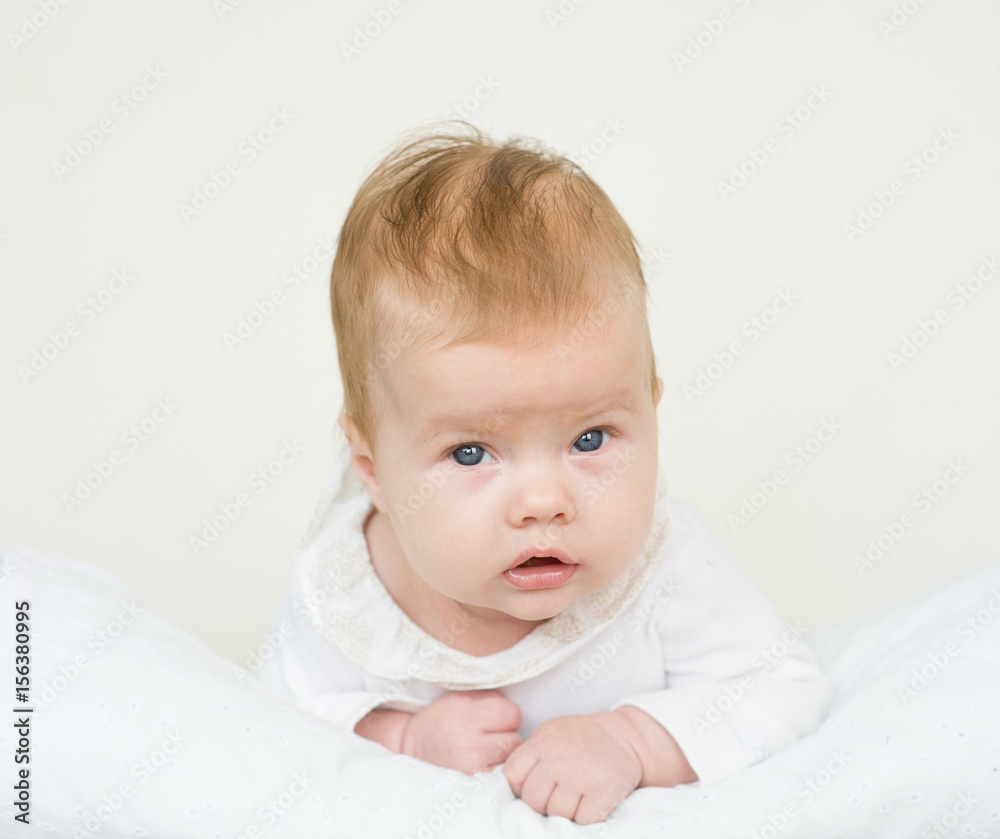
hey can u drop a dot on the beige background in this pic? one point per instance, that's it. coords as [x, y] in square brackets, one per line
[661, 131]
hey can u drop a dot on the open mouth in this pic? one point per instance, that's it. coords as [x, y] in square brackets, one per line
[539, 560]
[541, 571]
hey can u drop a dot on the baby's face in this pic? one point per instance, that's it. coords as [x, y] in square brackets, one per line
[548, 447]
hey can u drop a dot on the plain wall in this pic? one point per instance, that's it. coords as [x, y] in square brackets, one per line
[660, 102]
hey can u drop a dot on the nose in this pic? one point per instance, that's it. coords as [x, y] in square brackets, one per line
[541, 494]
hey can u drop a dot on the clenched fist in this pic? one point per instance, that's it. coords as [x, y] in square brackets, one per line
[580, 767]
[471, 731]
[584, 765]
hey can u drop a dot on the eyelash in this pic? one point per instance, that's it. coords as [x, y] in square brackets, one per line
[610, 432]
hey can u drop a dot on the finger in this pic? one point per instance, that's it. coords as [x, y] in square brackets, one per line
[501, 748]
[517, 767]
[537, 789]
[564, 801]
[597, 808]
[515, 743]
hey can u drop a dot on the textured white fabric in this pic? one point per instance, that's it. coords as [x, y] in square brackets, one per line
[687, 638]
[156, 736]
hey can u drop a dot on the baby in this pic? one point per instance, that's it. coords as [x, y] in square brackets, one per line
[495, 574]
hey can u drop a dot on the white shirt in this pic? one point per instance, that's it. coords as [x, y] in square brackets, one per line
[683, 634]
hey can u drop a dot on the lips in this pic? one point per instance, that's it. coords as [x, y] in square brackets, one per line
[539, 568]
[531, 557]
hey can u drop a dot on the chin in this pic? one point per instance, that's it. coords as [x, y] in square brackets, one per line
[542, 609]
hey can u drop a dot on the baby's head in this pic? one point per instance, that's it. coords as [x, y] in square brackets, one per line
[500, 389]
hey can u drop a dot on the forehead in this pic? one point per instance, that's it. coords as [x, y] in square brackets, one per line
[595, 366]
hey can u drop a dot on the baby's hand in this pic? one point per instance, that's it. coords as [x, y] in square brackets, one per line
[471, 731]
[580, 766]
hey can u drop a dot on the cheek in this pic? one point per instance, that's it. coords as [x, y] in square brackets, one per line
[433, 522]
[615, 483]
[444, 557]
[455, 501]
[618, 507]
[412, 495]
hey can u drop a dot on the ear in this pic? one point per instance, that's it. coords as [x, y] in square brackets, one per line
[362, 460]
[659, 391]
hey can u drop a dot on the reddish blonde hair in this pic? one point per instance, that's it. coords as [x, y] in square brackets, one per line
[456, 234]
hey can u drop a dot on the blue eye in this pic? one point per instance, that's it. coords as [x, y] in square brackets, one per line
[470, 455]
[591, 440]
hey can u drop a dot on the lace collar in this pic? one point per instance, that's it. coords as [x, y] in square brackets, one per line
[354, 612]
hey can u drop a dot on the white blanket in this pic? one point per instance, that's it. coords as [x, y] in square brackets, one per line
[140, 730]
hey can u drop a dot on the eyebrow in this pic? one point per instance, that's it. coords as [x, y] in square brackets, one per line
[476, 424]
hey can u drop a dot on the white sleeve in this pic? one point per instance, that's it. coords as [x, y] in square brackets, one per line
[740, 683]
[304, 669]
